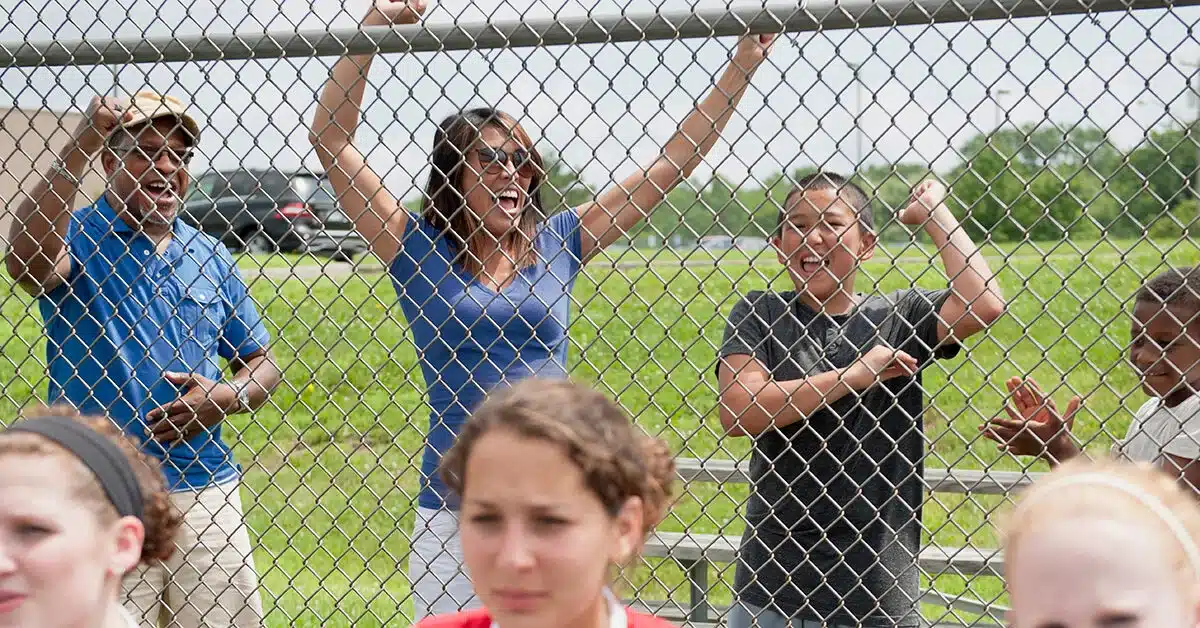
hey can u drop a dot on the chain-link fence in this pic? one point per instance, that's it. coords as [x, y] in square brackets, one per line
[1063, 132]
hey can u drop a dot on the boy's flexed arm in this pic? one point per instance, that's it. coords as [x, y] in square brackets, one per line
[975, 300]
[752, 401]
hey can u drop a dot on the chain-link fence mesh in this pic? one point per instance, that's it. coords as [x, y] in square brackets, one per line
[1063, 133]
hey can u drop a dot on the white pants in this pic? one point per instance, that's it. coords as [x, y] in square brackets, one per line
[209, 581]
[435, 566]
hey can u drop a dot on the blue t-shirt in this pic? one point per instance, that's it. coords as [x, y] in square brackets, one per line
[471, 338]
[126, 315]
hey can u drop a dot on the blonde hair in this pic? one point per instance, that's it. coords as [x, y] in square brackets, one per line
[1136, 493]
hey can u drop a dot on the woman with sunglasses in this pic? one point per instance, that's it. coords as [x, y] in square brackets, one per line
[483, 275]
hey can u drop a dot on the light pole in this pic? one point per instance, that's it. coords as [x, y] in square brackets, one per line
[996, 95]
[858, 111]
[1147, 105]
[1194, 176]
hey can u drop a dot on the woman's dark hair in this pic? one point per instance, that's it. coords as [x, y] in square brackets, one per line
[161, 519]
[445, 203]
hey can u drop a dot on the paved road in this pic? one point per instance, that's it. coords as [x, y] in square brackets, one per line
[335, 270]
[338, 270]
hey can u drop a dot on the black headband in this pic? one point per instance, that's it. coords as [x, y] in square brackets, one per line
[99, 454]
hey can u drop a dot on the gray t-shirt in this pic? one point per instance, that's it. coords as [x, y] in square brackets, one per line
[833, 521]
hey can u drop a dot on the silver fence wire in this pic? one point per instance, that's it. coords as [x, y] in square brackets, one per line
[1063, 133]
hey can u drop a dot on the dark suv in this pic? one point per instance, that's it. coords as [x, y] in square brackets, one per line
[262, 211]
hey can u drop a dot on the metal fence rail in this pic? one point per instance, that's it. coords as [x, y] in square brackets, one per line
[589, 29]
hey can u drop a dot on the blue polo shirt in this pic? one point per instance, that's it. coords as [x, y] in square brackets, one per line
[126, 315]
[470, 338]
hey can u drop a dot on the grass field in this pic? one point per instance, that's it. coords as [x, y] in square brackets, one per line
[331, 469]
[885, 251]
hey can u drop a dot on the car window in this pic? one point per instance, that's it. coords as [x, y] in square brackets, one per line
[313, 190]
[244, 184]
[273, 183]
[207, 187]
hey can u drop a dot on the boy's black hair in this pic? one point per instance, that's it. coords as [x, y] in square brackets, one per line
[1179, 287]
[847, 190]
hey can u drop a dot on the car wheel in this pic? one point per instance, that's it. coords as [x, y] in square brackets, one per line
[258, 244]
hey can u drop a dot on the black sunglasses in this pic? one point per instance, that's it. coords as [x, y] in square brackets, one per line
[494, 159]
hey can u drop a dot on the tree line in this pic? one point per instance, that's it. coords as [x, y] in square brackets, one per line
[1040, 182]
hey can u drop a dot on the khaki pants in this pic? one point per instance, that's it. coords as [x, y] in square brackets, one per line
[209, 581]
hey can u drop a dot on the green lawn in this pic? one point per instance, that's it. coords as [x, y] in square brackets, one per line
[891, 250]
[331, 465]
[626, 258]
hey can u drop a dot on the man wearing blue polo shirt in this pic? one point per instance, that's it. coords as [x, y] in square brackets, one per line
[139, 310]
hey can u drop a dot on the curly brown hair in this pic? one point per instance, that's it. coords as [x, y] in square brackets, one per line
[618, 460]
[161, 520]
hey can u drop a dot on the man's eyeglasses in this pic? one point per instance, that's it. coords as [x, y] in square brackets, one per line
[151, 154]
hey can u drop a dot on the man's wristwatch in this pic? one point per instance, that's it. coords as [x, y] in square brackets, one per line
[59, 168]
[243, 396]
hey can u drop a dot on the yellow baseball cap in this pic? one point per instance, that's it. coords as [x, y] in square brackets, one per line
[148, 105]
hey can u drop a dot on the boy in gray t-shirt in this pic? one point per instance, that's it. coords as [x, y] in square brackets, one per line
[826, 381]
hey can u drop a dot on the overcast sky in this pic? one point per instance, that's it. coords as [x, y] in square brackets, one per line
[925, 89]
